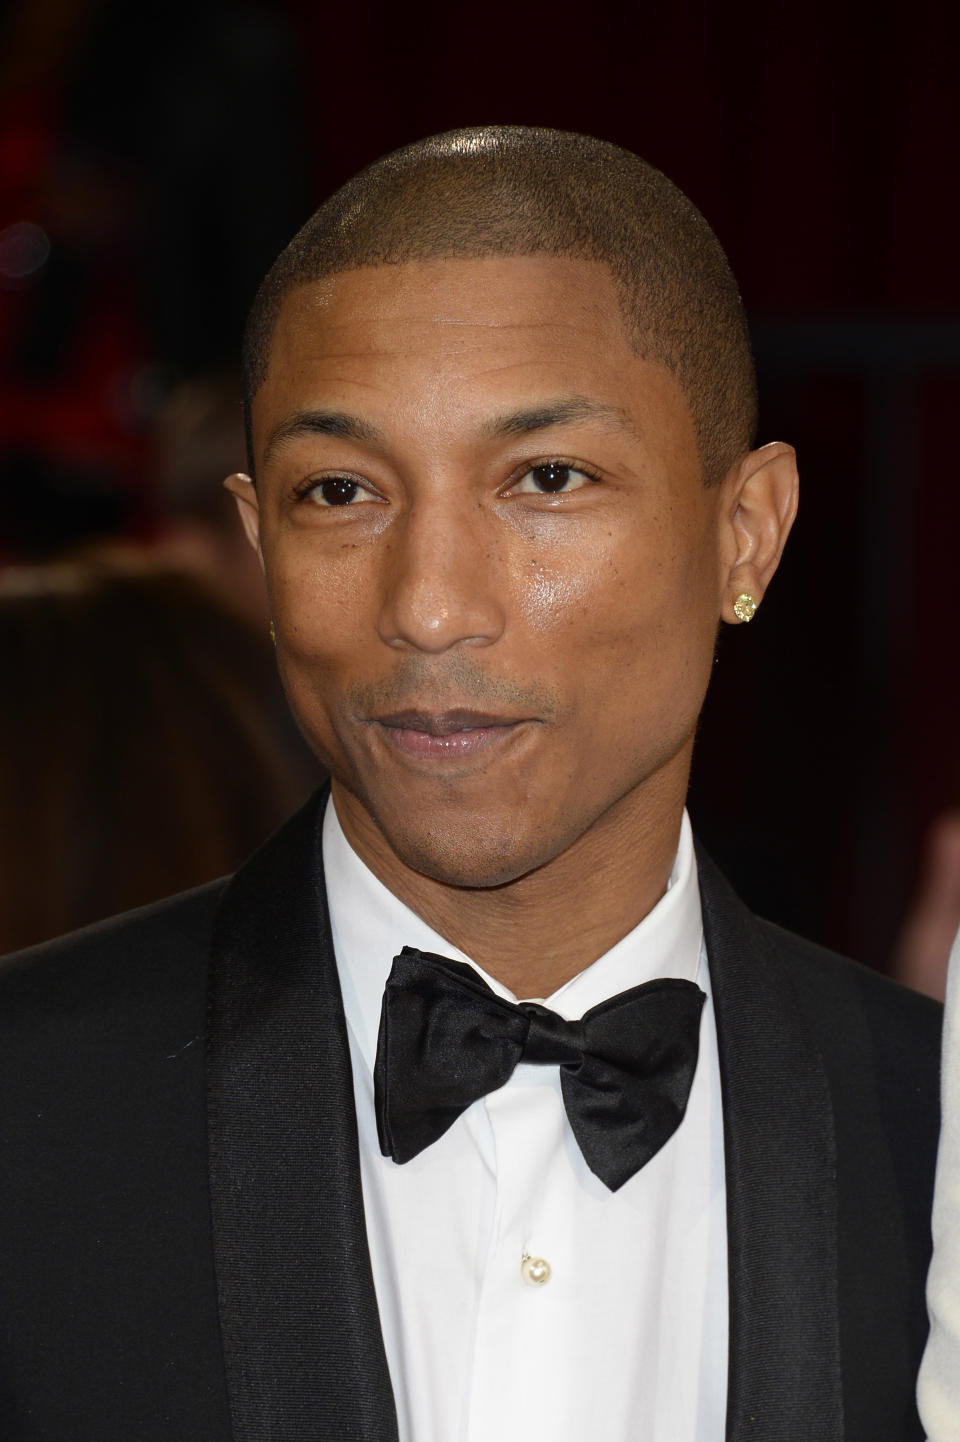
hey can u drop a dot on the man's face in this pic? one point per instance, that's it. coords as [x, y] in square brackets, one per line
[494, 569]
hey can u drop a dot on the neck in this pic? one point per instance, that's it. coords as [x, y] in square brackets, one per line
[535, 933]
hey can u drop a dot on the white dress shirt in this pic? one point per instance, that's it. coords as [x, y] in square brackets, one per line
[627, 1339]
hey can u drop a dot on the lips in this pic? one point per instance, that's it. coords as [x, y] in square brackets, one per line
[446, 734]
[444, 723]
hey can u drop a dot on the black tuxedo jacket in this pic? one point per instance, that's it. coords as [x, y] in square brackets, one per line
[182, 1245]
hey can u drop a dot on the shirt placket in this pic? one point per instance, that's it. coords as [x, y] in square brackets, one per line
[518, 1362]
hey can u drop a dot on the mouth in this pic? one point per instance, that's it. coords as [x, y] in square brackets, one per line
[436, 735]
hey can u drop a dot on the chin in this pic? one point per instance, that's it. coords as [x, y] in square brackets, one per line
[477, 855]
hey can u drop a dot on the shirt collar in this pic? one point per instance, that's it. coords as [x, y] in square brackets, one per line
[370, 926]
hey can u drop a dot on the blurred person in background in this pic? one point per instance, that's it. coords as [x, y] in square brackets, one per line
[923, 951]
[144, 744]
[199, 439]
[123, 280]
[938, 1388]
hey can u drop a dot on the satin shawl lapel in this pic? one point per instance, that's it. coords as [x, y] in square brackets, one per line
[785, 1377]
[303, 1348]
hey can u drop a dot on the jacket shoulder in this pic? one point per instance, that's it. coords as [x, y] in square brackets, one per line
[904, 1025]
[120, 966]
[834, 993]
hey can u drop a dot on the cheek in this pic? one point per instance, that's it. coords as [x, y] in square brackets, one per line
[573, 576]
[632, 620]
[317, 600]
[621, 582]
[320, 618]
[550, 594]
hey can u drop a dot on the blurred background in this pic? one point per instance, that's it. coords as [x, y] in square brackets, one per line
[153, 160]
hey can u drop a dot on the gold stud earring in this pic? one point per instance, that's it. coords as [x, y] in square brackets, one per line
[744, 607]
[273, 633]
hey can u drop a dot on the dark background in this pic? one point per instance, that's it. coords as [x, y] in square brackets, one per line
[154, 159]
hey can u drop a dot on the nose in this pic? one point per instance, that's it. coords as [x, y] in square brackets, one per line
[443, 579]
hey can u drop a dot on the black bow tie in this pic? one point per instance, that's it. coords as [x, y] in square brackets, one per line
[446, 1039]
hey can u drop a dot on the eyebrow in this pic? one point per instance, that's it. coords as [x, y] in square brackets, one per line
[561, 412]
[319, 423]
[565, 410]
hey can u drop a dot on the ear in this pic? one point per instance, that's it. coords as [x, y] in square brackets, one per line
[244, 492]
[759, 510]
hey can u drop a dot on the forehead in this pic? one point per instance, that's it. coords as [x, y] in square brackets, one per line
[455, 339]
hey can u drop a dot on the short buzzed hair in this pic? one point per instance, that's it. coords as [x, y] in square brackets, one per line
[514, 190]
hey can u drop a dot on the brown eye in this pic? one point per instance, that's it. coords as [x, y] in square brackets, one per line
[336, 491]
[551, 478]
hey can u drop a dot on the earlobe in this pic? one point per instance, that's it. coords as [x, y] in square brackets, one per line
[762, 508]
[244, 492]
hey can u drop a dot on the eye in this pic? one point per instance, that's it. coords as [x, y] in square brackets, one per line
[334, 491]
[551, 479]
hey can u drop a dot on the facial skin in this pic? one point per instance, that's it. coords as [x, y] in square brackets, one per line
[500, 639]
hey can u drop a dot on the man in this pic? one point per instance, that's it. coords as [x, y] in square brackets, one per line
[504, 489]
